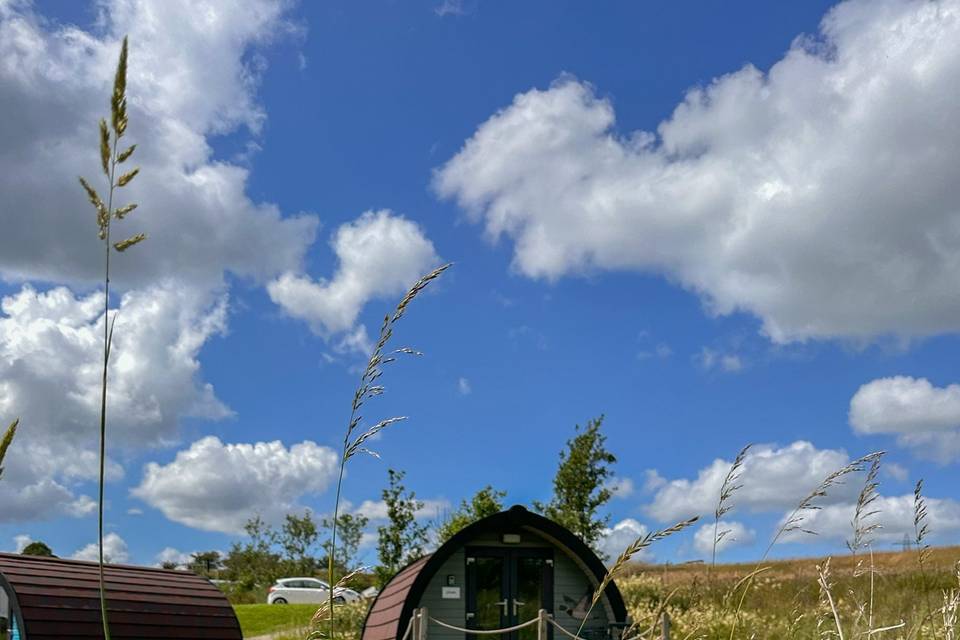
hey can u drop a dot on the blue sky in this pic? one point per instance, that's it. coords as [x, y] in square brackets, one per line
[772, 262]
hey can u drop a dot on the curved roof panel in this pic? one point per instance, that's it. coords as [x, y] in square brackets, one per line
[55, 598]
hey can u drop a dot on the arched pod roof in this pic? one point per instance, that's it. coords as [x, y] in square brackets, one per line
[390, 613]
[54, 598]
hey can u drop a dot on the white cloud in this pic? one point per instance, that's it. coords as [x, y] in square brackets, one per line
[895, 517]
[712, 359]
[820, 196]
[377, 509]
[896, 471]
[190, 77]
[193, 74]
[661, 351]
[50, 345]
[20, 542]
[902, 404]
[114, 550]
[618, 537]
[380, 254]
[218, 487]
[924, 417]
[737, 534]
[621, 487]
[463, 386]
[652, 480]
[169, 554]
[773, 479]
[454, 8]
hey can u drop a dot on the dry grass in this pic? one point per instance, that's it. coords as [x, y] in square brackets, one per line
[6, 441]
[370, 387]
[908, 595]
[787, 597]
[939, 559]
[111, 159]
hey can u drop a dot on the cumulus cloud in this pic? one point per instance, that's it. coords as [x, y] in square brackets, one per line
[114, 550]
[713, 359]
[924, 417]
[189, 78]
[50, 345]
[463, 386]
[169, 554]
[773, 479]
[217, 487]
[820, 196]
[621, 487]
[380, 254]
[194, 71]
[902, 404]
[736, 534]
[618, 537]
[21, 541]
[894, 516]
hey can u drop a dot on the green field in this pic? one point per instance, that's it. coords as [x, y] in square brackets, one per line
[263, 619]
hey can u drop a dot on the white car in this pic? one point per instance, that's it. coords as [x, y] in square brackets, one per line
[307, 591]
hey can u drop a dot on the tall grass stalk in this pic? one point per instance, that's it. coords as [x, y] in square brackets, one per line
[7, 440]
[826, 596]
[795, 522]
[368, 388]
[724, 503]
[920, 531]
[863, 528]
[626, 556]
[950, 610]
[111, 157]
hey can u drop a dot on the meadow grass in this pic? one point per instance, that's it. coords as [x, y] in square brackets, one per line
[786, 601]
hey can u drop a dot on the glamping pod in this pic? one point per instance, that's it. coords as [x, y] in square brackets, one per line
[47, 598]
[501, 572]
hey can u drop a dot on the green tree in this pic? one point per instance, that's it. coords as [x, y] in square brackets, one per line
[349, 535]
[580, 486]
[485, 502]
[401, 540]
[206, 563]
[37, 548]
[298, 536]
[254, 561]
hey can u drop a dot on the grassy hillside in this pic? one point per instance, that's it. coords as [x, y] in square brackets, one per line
[787, 601]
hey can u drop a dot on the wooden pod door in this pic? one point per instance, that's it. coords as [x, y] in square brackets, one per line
[507, 587]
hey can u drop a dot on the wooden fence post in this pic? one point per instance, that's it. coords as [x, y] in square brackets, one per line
[424, 622]
[665, 626]
[542, 623]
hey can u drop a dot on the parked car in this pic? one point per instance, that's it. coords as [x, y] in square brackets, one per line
[307, 591]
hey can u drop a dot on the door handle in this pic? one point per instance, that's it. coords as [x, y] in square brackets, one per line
[517, 603]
